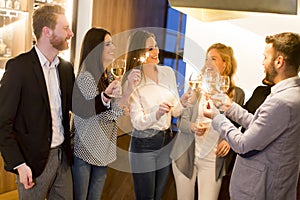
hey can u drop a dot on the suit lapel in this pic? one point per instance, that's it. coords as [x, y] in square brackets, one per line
[40, 77]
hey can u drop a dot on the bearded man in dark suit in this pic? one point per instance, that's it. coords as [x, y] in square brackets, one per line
[35, 98]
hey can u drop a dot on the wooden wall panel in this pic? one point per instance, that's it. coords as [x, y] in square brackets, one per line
[7, 179]
[121, 15]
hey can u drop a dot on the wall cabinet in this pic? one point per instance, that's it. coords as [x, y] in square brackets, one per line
[15, 26]
[13, 29]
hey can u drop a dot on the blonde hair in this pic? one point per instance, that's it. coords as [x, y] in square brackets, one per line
[226, 53]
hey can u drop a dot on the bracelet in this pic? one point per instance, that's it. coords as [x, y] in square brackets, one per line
[106, 95]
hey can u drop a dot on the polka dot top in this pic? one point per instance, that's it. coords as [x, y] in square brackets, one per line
[95, 137]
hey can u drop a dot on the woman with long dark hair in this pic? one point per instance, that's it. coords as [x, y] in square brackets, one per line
[96, 113]
[152, 104]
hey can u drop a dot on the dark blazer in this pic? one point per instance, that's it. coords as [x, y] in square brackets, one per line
[25, 118]
[258, 97]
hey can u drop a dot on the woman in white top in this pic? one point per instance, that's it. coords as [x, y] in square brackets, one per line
[152, 104]
[199, 153]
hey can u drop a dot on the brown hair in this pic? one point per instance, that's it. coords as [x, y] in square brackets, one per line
[45, 16]
[136, 48]
[91, 55]
[286, 44]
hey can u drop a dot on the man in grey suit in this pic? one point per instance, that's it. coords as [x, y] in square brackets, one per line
[267, 166]
[36, 98]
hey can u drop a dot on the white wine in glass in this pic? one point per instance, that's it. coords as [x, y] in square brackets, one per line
[118, 68]
[224, 84]
[195, 81]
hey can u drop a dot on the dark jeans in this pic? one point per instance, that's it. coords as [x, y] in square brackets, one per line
[88, 180]
[150, 162]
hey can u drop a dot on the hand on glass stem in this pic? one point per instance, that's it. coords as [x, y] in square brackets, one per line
[210, 110]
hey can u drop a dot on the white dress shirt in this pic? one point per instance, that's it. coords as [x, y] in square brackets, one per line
[54, 93]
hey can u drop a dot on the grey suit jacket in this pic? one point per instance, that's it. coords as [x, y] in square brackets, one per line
[183, 152]
[274, 132]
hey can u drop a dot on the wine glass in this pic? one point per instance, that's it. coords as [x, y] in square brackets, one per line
[210, 79]
[118, 68]
[224, 84]
[210, 82]
[195, 83]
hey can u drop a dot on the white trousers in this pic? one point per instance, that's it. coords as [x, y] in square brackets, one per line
[204, 170]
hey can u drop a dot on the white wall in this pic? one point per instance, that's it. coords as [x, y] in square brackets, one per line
[246, 37]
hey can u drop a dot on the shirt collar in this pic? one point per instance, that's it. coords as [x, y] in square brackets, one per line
[281, 85]
[43, 60]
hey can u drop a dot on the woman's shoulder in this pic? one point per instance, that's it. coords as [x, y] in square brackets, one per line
[239, 95]
[239, 91]
[84, 73]
[164, 68]
[85, 77]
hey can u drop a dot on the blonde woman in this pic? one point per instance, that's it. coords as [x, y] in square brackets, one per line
[199, 153]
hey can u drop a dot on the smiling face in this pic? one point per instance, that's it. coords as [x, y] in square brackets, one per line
[152, 51]
[108, 53]
[61, 34]
[215, 57]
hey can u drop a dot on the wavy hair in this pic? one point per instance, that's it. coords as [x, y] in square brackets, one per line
[227, 55]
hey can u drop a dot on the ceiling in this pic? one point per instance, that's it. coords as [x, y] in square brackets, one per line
[213, 10]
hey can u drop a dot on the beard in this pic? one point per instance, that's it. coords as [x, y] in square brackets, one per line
[59, 43]
[271, 73]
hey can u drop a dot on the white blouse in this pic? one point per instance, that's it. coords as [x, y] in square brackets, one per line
[147, 97]
[207, 143]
